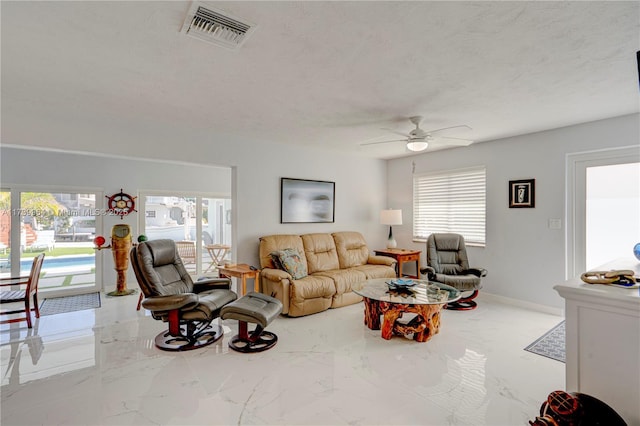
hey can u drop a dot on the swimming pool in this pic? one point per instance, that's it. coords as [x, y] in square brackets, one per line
[50, 263]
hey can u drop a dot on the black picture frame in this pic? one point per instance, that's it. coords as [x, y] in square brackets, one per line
[307, 201]
[522, 193]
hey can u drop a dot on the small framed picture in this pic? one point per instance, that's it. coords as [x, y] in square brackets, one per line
[522, 193]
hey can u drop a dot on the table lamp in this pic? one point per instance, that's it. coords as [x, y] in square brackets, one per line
[391, 217]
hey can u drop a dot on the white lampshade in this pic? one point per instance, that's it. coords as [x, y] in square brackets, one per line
[391, 217]
[417, 146]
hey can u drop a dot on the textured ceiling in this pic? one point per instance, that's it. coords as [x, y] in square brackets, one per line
[331, 74]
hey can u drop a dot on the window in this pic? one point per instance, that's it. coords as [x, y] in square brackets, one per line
[193, 219]
[611, 232]
[450, 201]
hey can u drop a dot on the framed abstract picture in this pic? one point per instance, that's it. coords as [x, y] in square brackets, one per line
[306, 201]
[522, 193]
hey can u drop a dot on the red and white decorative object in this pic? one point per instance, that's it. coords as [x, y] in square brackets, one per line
[121, 203]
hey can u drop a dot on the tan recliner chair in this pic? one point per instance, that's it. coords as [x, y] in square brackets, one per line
[172, 296]
[448, 264]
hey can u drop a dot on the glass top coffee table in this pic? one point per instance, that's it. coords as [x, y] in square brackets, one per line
[424, 299]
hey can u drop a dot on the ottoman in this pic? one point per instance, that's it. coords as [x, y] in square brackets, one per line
[256, 308]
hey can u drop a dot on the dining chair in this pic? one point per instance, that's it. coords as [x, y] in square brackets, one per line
[186, 251]
[22, 289]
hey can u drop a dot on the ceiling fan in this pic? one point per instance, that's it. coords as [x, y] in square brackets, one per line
[419, 140]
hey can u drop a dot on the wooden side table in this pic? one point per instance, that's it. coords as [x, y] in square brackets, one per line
[242, 271]
[402, 256]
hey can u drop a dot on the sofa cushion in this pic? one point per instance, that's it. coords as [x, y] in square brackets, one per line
[345, 279]
[320, 251]
[310, 295]
[351, 248]
[377, 271]
[461, 282]
[291, 261]
[312, 286]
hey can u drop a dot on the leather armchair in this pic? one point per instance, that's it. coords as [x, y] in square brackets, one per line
[448, 264]
[171, 295]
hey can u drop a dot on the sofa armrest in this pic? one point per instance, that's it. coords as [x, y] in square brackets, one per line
[381, 260]
[276, 283]
[275, 274]
[478, 272]
[170, 302]
[211, 284]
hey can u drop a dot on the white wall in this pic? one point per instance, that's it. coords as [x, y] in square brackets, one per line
[360, 183]
[360, 195]
[525, 258]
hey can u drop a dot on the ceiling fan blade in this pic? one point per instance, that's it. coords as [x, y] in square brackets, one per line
[461, 126]
[377, 143]
[446, 140]
[406, 135]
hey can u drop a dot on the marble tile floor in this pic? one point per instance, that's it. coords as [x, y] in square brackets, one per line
[100, 367]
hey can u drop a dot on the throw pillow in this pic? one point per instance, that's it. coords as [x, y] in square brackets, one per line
[291, 261]
[275, 258]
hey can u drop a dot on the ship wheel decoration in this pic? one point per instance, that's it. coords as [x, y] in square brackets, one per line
[121, 204]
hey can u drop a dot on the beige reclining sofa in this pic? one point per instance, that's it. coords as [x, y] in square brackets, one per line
[319, 270]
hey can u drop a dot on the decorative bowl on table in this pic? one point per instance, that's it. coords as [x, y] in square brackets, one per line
[401, 283]
[400, 287]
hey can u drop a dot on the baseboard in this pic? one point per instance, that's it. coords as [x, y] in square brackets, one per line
[521, 304]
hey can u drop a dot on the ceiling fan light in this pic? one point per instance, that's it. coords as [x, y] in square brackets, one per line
[417, 146]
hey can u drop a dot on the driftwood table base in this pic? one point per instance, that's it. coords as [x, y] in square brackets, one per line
[423, 326]
[388, 300]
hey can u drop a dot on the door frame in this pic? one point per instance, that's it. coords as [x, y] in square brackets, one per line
[576, 190]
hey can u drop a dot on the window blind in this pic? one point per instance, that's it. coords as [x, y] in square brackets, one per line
[451, 201]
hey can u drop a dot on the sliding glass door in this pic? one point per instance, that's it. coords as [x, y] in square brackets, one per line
[200, 225]
[61, 224]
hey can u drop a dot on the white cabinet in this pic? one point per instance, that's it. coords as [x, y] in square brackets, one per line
[603, 341]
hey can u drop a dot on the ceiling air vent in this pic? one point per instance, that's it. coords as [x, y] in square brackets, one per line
[215, 26]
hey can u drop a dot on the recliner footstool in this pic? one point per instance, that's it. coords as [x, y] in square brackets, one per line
[256, 308]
